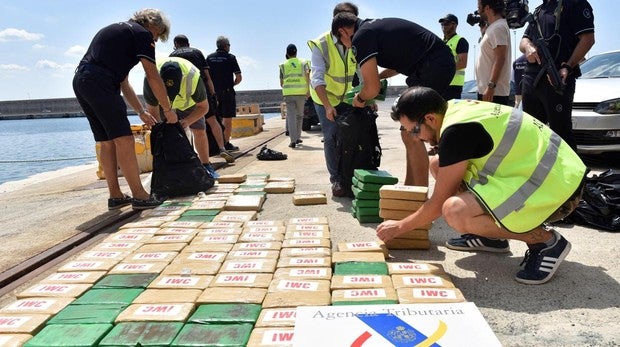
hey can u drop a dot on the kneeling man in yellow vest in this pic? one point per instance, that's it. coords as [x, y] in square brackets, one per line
[500, 174]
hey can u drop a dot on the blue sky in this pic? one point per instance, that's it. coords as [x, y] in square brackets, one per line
[41, 42]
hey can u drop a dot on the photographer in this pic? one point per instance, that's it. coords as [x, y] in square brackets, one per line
[493, 68]
[568, 28]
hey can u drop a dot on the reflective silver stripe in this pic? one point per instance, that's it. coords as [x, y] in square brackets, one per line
[291, 86]
[325, 51]
[518, 198]
[505, 145]
[342, 80]
[188, 86]
[294, 75]
[460, 73]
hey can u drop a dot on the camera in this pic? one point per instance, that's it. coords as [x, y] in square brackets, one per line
[515, 11]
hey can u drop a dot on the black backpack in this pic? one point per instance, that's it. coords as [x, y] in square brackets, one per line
[177, 170]
[357, 142]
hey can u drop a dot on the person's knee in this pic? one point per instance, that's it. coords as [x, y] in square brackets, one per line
[454, 213]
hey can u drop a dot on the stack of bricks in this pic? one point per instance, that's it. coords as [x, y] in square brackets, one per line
[366, 185]
[399, 201]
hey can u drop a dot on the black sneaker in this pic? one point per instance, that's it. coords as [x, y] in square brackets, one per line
[471, 242]
[541, 261]
[299, 141]
[139, 204]
[227, 156]
[337, 190]
[230, 147]
[292, 145]
[116, 203]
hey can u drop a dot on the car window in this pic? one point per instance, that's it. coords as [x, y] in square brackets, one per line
[601, 66]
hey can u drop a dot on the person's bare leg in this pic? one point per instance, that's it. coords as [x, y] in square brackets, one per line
[201, 143]
[126, 157]
[417, 160]
[110, 168]
[227, 128]
[464, 214]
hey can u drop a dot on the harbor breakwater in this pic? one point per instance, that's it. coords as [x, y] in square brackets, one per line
[269, 101]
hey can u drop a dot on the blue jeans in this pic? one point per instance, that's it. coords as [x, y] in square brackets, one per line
[330, 130]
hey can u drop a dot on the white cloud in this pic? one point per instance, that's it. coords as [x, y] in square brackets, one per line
[48, 64]
[76, 51]
[13, 67]
[38, 46]
[247, 62]
[12, 34]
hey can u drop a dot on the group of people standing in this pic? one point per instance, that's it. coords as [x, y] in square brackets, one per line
[500, 172]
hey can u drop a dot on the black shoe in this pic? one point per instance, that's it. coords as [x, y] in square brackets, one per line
[338, 191]
[230, 147]
[116, 203]
[541, 261]
[471, 242]
[299, 141]
[292, 144]
[139, 204]
[227, 156]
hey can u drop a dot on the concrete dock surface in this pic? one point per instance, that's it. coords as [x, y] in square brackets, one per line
[580, 306]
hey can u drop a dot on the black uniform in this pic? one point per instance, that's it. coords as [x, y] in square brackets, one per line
[540, 100]
[222, 67]
[408, 48]
[113, 52]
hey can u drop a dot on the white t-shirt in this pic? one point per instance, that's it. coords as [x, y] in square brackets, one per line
[497, 34]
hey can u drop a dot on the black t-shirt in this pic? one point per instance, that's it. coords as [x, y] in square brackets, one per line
[576, 18]
[396, 43]
[462, 46]
[222, 68]
[119, 47]
[463, 141]
[195, 57]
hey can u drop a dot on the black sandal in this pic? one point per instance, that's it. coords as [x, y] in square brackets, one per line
[269, 154]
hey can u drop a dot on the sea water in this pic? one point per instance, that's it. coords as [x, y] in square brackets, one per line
[32, 146]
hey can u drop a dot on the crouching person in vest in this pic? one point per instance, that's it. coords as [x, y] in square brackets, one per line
[188, 96]
[500, 174]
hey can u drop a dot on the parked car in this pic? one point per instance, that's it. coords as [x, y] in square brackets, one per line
[310, 116]
[596, 105]
[470, 91]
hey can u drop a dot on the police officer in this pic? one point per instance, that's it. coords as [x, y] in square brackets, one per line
[294, 77]
[568, 28]
[459, 47]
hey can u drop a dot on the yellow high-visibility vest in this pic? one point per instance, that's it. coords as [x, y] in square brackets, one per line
[293, 73]
[459, 75]
[191, 76]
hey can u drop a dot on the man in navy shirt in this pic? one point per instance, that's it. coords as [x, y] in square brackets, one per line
[399, 46]
[226, 74]
[569, 33]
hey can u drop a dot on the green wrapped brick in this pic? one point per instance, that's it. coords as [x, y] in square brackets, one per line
[130, 334]
[200, 213]
[108, 296]
[364, 195]
[252, 186]
[74, 335]
[367, 211]
[374, 176]
[195, 219]
[176, 203]
[368, 187]
[226, 314]
[263, 194]
[125, 281]
[221, 335]
[361, 268]
[88, 314]
[369, 219]
[365, 203]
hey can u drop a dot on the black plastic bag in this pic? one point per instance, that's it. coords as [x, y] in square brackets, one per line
[177, 170]
[357, 142]
[600, 203]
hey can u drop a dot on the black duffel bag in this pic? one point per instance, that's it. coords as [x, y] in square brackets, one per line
[177, 170]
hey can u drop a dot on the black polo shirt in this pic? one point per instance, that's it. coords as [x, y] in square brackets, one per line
[396, 43]
[195, 56]
[576, 18]
[222, 67]
[119, 47]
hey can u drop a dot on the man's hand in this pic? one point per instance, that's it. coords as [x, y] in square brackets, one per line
[388, 230]
[330, 112]
[147, 118]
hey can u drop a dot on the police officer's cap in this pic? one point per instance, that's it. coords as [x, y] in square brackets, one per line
[449, 18]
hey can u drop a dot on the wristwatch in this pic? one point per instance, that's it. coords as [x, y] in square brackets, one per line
[359, 99]
[491, 85]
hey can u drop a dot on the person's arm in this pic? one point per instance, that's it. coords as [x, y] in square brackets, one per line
[448, 181]
[199, 110]
[586, 41]
[318, 82]
[387, 73]
[209, 82]
[529, 49]
[136, 105]
[159, 90]
[238, 78]
[461, 61]
[372, 85]
[499, 53]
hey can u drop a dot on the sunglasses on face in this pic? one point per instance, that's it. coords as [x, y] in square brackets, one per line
[416, 129]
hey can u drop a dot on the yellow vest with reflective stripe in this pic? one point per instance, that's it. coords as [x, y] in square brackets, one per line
[529, 173]
[339, 71]
[459, 75]
[191, 76]
[294, 77]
